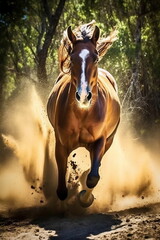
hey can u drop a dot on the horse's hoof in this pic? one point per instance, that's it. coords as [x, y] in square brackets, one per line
[85, 203]
[92, 181]
[62, 195]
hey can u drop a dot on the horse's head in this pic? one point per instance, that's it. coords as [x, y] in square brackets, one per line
[84, 70]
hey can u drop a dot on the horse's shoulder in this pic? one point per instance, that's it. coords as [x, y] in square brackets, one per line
[108, 77]
[62, 76]
[62, 80]
[59, 85]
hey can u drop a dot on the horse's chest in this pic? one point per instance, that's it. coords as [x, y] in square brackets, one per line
[79, 130]
[86, 135]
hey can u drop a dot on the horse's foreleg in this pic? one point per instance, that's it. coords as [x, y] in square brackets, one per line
[96, 152]
[61, 159]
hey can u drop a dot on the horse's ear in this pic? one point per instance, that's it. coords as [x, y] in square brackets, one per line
[95, 36]
[71, 35]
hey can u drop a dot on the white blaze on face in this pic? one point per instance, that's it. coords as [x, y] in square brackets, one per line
[83, 55]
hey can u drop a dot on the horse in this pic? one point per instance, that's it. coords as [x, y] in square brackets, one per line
[83, 106]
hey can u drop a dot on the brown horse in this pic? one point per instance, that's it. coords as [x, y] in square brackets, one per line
[83, 106]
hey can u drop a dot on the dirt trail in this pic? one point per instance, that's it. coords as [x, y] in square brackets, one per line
[137, 223]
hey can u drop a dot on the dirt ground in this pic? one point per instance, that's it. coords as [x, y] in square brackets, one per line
[39, 223]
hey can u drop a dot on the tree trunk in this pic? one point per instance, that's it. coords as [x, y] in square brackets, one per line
[42, 52]
[3, 56]
[133, 98]
[137, 63]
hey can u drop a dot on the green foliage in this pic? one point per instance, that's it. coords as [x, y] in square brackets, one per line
[9, 86]
[23, 27]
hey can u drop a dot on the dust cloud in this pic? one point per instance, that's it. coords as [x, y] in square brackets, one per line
[28, 173]
[27, 169]
[130, 174]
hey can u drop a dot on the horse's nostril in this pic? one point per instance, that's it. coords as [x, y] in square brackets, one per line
[89, 96]
[78, 96]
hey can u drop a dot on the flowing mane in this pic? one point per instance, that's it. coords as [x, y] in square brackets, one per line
[83, 33]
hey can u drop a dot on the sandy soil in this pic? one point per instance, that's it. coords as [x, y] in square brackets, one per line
[39, 223]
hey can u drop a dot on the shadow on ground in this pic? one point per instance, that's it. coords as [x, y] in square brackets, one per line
[56, 226]
[41, 223]
[79, 227]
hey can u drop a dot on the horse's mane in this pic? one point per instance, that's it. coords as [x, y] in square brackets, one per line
[82, 33]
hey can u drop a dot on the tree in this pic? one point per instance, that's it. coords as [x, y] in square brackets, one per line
[42, 49]
[32, 31]
[10, 14]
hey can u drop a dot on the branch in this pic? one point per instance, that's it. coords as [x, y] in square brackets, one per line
[41, 34]
[52, 27]
[14, 58]
[43, 52]
[58, 12]
[27, 41]
[47, 10]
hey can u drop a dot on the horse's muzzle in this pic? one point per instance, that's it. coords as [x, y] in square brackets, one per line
[84, 100]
